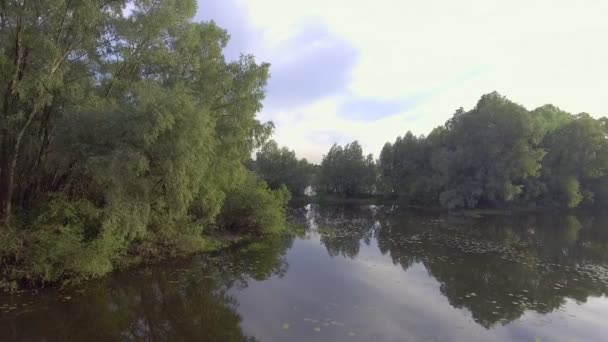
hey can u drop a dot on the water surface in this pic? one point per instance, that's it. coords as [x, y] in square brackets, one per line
[353, 273]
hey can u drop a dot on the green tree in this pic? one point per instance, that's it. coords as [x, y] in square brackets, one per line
[415, 167]
[122, 134]
[279, 166]
[493, 149]
[346, 172]
[501, 154]
[50, 52]
[386, 170]
[576, 165]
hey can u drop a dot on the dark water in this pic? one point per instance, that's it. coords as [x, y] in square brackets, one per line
[353, 274]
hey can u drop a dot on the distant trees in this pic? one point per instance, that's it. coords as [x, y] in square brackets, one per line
[346, 172]
[501, 154]
[414, 168]
[496, 155]
[279, 166]
[493, 150]
[575, 170]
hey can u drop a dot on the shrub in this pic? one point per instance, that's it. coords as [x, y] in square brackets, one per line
[253, 208]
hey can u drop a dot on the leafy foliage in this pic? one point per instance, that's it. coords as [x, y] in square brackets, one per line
[501, 154]
[346, 172]
[279, 166]
[254, 208]
[123, 136]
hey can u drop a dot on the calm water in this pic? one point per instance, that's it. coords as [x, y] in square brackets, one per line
[352, 274]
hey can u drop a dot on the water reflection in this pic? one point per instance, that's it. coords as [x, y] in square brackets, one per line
[496, 267]
[354, 273]
[179, 301]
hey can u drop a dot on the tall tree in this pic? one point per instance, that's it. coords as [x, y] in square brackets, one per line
[500, 154]
[50, 52]
[279, 166]
[123, 133]
[346, 172]
[493, 149]
[577, 161]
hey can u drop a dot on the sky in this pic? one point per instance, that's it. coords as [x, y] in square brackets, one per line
[344, 70]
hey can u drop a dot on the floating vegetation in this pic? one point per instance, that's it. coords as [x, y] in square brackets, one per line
[496, 267]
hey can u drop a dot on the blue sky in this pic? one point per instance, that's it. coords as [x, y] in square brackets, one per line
[372, 70]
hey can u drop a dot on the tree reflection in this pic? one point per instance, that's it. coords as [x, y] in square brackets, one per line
[343, 228]
[172, 302]
[497, 267]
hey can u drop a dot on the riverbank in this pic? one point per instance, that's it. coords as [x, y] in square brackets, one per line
[68, 244]
[214, 244]
[344, 280]
[475, 212]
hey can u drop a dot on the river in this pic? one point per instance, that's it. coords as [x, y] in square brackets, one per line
[350, 273]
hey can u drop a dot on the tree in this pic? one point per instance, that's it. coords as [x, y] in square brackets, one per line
[386, 170]
[49, 51]
[501, 154]
[346, 172]
[576, 164]
[493, 150]
[122, 134]
[279, 166]
[415, 167]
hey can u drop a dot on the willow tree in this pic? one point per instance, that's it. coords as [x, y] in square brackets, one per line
[123, 133]
[49, 54]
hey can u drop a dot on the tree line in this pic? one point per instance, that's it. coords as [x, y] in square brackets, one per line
[496, 155]
[124, 136]
[500, 154]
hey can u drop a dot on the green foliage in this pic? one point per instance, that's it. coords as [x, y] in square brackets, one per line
[64, 240]
[493, 150]
[253, 208]
[123, 137]
[346, 172]
[499, 154]
[576, 164]
[279, 166]
[570, 192]
[415, 168]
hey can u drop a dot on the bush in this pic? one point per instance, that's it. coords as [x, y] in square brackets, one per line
[253, 208]
[63, 241]
[70, 240]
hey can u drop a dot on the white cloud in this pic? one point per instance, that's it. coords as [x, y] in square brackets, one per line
[534, 52]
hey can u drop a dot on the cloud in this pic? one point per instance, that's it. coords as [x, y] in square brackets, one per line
[311, 65]
[232, 15]
[374, 70]
[308, 61]
[371, 109]
[329, 137]
[374, 108]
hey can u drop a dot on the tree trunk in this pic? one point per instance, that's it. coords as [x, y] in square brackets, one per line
[7, 198]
